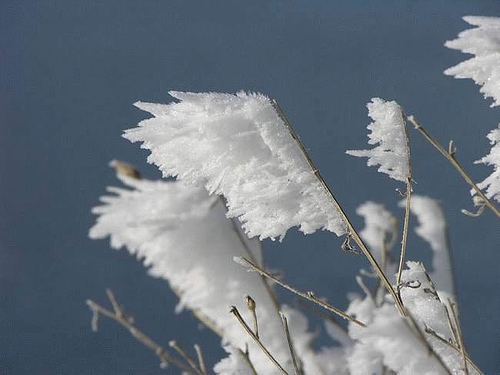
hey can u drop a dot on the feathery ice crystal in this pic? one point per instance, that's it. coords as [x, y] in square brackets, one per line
[388, 130]
[238, 146]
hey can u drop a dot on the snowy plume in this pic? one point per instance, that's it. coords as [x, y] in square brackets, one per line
[183, 236]
[432, 228]
[388, 130]
[238, 146]
[484, 43]
[492, 182]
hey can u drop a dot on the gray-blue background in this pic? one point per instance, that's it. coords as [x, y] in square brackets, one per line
[69, 72]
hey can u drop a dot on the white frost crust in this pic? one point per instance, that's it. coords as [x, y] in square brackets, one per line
[492, 182]
[238, 146]
[388, 341]
[484, 43]
[388, 132]
[432, 228]
[182, 235]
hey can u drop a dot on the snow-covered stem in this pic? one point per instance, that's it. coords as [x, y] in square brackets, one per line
[406, 223]
[413, 325]
[454, 347]
[308, 295]
[351, 231]
[450, 156]
[295, 360]
[119, 316]
[249, 331]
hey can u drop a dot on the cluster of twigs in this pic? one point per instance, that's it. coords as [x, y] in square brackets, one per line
[186, 363]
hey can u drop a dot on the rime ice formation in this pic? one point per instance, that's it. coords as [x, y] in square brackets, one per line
[388, 133]
[238, 146]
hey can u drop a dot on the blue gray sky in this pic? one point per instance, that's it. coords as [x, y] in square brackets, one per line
[69, 73]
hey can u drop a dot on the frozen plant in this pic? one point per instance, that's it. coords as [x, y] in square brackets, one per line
[240, 175]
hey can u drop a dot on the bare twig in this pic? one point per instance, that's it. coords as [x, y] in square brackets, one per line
[295, 360]
[450, 156]
[249, 331]
[251, 307]
[460, 340]
[190, 361]
[245, 355]
[201, 360]
[308, 295]
[405, 229]
[451, 345]
[243, 240]
[351, 231]
[120, 317]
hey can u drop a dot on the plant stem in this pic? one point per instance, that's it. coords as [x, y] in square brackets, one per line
[451, 158]
[245, 326]
[120, 317]
[298, 370]
[308, 296]
[405, 230]
[351, 231]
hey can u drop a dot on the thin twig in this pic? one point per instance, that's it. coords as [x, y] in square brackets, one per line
[240, 319]
[452, 346]
[119, 317]
[320, 313]
[351, 231]
[251, 305]
[295, 361]
[174, 345]
[460, 338]
[364, 288]
[201, 360]
[308, 295]
[405, 229]
[245, 355]
[450, 156]
[243, 240]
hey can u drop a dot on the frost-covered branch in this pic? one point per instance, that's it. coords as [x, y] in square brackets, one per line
[484, 68]
[391, 153]
[239, 147]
